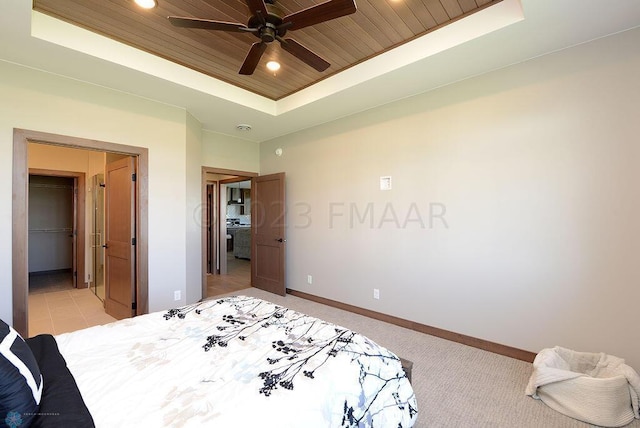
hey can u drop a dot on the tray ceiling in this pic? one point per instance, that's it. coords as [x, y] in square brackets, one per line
[376, 27]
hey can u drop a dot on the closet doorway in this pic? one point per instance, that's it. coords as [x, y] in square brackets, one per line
[55, 260]
[136, 236]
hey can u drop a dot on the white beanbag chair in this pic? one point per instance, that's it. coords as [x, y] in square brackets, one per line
[595, 388]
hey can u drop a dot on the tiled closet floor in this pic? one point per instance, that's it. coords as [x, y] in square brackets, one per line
[64, 311]
[56, 307]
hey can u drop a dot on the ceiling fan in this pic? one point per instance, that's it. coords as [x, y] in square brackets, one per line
[268, 24]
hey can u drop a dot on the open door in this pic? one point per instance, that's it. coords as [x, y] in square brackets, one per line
[211, 219]
[120, 232]
[268, 243]
[222, 229]
[74, 235]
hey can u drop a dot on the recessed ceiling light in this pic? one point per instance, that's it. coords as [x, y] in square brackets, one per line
[273, 65]
[243, 127]
[146, 4]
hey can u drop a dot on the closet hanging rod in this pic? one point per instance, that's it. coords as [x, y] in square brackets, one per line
[66, 229]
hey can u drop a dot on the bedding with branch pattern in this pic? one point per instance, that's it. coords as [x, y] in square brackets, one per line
[236, 361]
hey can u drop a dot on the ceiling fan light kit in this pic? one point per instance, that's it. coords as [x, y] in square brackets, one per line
[267, 23]
[273, 65]
[146, 4]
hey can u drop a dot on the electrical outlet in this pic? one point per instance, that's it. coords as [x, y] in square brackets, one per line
[309, 279]
[176, 295]
[376, 293]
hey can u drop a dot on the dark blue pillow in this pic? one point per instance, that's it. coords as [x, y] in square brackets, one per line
[20, 380]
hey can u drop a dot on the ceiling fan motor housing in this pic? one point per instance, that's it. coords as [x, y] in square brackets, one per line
[268, 25]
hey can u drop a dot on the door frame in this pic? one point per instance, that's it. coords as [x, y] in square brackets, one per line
[79, 237]
[20, 210]
[231, 174]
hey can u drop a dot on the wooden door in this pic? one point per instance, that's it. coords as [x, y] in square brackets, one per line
[210, 224]
[74, 235]
[268, 243]
[120, 262]
[222, 229]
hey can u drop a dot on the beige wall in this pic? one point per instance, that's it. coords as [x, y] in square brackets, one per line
[38, 101]
[43, 102]
[193, 255]
[224, 151]
[530, 178]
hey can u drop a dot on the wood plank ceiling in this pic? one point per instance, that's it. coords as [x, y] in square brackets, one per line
[377, 26]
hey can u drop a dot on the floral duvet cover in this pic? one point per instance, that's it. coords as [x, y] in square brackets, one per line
[236, 362]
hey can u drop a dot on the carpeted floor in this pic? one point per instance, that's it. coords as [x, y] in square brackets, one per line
[456, 385]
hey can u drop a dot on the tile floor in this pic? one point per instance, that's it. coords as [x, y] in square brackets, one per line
[57, 308]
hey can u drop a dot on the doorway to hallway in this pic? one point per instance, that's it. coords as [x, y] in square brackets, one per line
[226, 232]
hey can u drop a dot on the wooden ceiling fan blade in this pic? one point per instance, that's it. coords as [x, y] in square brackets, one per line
[253, 58]
[304, 54]
[256, 6]
[207, 24]
[322, 12]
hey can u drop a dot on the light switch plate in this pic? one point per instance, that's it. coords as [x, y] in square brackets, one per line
[385, 183]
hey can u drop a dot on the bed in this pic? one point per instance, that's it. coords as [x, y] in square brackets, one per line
[236, 361]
